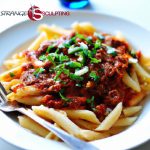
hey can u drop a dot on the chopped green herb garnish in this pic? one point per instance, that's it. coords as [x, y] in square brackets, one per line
[57, 50]
[95, 61]
[66, 71]
[63, 58]
[94, 76]
[93, 51]
[74, 64]
[68, 43]
[85, 51]
[54, 57]
[84, 48]
[98, 35]
[111, 50]
[80, 36]
[75, 77]
[61, 45]
[82, 71]
[91, 102]
[58, 67]
[73, 49]
[61, 69]
[79, 85]
[81, 57]
[97, 44]
[133, 53]
[72, 40]
[38, 71]
[64, 98]
[57, 75]
[50, 48]
[11, 74]
[89, 40]
[51, 58]
[83, 45]
[42, 57]
[89, 54]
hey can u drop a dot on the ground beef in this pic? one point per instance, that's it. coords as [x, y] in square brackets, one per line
[108, 90]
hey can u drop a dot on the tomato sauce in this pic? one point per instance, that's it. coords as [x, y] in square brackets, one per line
[98, 91]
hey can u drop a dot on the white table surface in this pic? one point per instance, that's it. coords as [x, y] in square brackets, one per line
[137, 11]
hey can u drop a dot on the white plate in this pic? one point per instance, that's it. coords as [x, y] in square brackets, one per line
[18, 34]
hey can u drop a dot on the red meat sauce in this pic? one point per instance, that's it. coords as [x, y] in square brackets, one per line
[108, 91]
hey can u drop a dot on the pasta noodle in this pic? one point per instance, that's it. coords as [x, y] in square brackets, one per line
[33, 126]
[130, 111]
[53, 30]
[82, 114]
[60, 119]
[36, 44]
[85, 124]
[11, 74]
[125, 122]
[141, 72]
[110, 119]
[131, 83]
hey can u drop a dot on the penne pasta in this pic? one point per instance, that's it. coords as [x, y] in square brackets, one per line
[136, 99]
[9, 85]
[13, 63]
[116, 130]
[36, 44]
[110, 119]
[85, 124]
[62, 121]
[83, 28]
[135, 78]
[27, 91]
[119, 36]
[28, 100]
[51, 135]
[145, 62]
[131, 83]
[125, 122]
[82, 114]
[141, 72]
[89, 135]
[11, 74]
[67, 124]
[28, 123]
[130, 111]
[145, 87]
[53, 31]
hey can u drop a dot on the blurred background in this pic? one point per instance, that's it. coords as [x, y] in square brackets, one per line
[137, 11]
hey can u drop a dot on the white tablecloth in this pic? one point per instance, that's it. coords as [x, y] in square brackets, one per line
[137, 11]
